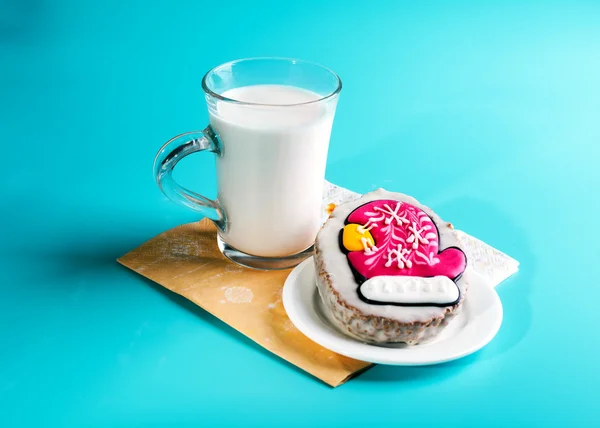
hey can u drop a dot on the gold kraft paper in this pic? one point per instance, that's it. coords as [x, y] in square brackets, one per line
[186, 260]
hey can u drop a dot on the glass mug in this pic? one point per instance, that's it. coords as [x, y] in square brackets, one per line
[270, 123]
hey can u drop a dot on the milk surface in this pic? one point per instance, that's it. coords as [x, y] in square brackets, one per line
[270, 176]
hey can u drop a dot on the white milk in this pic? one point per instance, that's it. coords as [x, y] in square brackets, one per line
[270, 176]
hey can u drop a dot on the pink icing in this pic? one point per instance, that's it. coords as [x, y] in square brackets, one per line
[399, 250]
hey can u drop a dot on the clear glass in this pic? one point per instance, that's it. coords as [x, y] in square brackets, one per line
[270, 124]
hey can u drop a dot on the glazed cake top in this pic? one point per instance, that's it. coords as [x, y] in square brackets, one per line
[387, 255]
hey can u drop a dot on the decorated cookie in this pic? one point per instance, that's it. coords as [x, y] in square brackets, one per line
[400, 239]
[389, 269]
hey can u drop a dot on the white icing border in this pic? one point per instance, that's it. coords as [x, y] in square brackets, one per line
[410, 290]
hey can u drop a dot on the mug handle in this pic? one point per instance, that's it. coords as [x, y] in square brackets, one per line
[170, 154]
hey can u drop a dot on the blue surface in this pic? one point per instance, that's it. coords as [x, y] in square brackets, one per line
[488, 113]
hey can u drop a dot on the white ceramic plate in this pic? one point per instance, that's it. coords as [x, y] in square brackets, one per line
[471, 329]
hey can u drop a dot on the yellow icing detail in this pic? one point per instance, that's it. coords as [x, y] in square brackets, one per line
[330, 208]
[351, 238]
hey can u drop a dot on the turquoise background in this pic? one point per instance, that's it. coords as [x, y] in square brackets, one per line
[487, 112]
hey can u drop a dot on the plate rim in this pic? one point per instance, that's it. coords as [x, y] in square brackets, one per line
[368, 352]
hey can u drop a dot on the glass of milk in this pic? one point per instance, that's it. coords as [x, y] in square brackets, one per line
[270, 122]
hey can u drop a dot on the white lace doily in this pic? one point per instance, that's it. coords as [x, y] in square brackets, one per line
[491, 264]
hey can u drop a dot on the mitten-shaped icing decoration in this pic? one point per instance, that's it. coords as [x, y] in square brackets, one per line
[398, 239]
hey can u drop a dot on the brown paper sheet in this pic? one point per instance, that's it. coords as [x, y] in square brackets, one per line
[186, 260]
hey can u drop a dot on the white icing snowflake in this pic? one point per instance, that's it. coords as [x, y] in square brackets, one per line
[416, 237]
[399, 255]
[392, 214]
